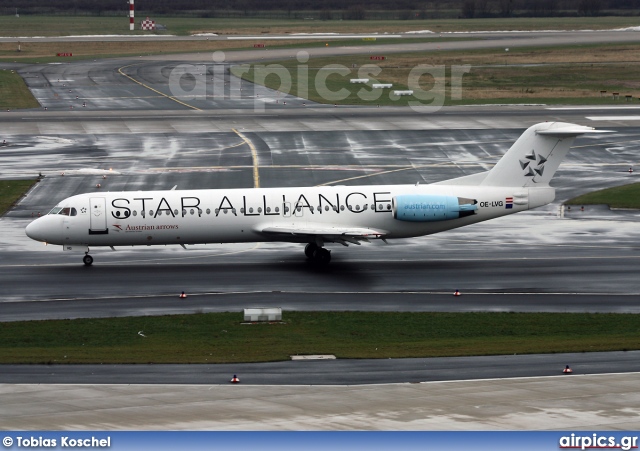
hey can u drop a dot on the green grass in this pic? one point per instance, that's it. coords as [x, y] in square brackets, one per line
[14, 93]
[335, 83]
[12, 190]
[627, 196]
[55, 25]
[549, 75]
[220, 337]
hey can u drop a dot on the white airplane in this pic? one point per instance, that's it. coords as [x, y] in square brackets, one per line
[313, 215]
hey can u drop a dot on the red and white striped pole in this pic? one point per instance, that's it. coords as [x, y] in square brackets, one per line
[131, 24]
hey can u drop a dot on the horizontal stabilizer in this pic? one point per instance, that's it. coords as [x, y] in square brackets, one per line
[574, 130]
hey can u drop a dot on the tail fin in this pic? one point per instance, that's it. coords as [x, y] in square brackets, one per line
[534, 158]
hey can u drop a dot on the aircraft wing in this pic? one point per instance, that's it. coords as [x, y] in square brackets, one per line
[335, 234]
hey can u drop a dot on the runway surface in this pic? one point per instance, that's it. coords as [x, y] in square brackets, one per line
[550, 259]
[565, 261]
[142, 82]
[589, 403]
[330, 372]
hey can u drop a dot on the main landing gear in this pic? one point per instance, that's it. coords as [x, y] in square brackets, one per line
[87, 259]
[318, 255]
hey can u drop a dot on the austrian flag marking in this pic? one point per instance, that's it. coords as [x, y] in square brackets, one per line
[508, 202]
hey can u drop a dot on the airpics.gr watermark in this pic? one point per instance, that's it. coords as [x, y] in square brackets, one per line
[597, 441]
[191, 82]
[58, 442]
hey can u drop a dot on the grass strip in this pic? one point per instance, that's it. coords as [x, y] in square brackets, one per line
[14, 93]
[220, 337]
[626, 196]
[580, 74]
[12, 190]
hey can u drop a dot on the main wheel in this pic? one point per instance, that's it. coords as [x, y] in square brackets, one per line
[321, 256]
[309, 249]
[88, 260]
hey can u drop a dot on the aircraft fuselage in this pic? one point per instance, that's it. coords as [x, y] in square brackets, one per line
[242, 215]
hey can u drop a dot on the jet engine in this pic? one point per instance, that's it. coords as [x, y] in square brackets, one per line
[431, 207]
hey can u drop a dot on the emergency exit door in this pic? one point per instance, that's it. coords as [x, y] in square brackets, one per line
[98, 216]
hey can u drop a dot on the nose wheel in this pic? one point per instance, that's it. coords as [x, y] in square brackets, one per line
[87, 260]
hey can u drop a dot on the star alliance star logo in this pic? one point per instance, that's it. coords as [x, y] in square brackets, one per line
[83, 210]
[533, 165]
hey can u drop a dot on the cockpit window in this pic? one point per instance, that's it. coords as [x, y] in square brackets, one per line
[66, 211]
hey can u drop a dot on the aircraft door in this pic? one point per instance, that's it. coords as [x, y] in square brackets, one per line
[98, 216]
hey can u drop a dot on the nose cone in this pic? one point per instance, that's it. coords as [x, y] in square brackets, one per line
[44, 229]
